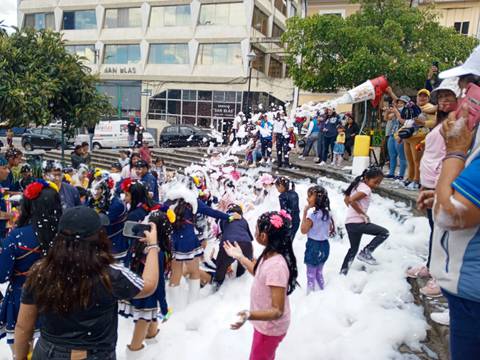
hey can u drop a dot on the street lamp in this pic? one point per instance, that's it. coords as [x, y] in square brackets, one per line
[251, 56]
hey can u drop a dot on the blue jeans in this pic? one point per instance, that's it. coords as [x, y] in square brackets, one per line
[329, 143]
[45, 350]
[311, 141]
[395, 150]
[464, 328]
[321, 145]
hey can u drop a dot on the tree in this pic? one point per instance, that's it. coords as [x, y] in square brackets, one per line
[386, 37]
[41, 82]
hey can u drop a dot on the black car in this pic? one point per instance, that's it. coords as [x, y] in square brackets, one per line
[185, 135]
[44, 138]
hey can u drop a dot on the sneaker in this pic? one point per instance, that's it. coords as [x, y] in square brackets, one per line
[366, 257]
[318, 161]
[301, 157]
[418, 272]
[390, 176]
[406, 183]
[413, 186]
[398, 178]
[431, 289]
[442, 318]
[321, 163]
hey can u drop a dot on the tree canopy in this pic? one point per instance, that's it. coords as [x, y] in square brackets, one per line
[386, 37]
[42, 82]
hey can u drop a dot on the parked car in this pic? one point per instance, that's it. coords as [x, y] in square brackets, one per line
[112, 134]
[44, 138]
[186, 135]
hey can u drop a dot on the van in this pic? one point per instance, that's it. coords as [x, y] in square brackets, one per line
[112, 134]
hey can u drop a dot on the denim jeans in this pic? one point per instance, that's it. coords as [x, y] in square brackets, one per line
[464, 328]
[45, 350]
[395, 151]
[320, 145]
[329, 143]
[266, 148]
[311, 141]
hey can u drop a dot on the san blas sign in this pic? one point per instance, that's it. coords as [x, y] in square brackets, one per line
[120, 70]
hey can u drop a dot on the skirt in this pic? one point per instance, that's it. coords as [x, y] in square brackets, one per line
[339, 149]
[316, 252]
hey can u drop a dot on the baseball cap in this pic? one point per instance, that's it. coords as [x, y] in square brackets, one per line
[81, 221]
[116, 165]
[449, 84]
[423, 91]
[141, 164]
[470, 66]
[406, 99]
[25, 168]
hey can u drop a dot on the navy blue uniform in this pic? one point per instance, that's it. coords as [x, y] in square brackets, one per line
[289, 203]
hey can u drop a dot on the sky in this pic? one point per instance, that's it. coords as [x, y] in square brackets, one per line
[8, 12]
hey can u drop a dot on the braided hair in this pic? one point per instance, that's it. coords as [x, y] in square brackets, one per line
[369, 173]
[277, 226]
[322, 202]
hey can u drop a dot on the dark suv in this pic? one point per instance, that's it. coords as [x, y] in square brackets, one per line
[44, 138]
[184, 136]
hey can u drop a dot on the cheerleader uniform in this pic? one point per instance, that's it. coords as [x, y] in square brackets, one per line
[20, 250]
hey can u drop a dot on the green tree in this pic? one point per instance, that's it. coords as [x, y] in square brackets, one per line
[41, 82]
[386, 37]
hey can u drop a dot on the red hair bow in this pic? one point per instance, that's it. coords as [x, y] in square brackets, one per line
[33, 190]
[125, 185]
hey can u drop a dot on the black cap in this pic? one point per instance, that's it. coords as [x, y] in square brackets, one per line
[116, 165]
[141, 164]
[25, 168]
[81, 221]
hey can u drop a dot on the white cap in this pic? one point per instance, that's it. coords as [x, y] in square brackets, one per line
[470, 66]
[449, 84]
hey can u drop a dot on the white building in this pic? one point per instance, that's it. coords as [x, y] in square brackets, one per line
[181, 61]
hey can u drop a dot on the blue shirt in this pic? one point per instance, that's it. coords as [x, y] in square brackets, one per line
[151, 184]
[69, 196]
[331, 126]
[237, 230]
[3, 223]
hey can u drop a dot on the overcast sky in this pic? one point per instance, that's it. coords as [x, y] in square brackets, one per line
[8, 12]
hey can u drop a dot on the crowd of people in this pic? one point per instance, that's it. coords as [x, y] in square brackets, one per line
[81, 246]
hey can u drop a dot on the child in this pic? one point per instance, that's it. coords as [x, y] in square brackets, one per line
[318, 225]
[357, 198]
[159, 170]
[124, 157]
[26, 179]
[289, 201]
[275, 274]
[339, 148]
[145, 311]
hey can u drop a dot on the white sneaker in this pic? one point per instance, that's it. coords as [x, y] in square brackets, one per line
[301, 157]
[322, 163]
[442, 318]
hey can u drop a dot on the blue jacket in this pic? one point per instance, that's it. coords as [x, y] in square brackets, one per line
[117, 214]
[331, 126]
[151, 184]
[237, 230]
[289, 203]
[69, 196]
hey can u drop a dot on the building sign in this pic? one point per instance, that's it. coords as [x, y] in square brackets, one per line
[223, 110]
[120, 70]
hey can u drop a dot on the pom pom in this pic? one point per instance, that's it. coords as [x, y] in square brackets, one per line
[171, 215]
[33, 190]
[285, 214]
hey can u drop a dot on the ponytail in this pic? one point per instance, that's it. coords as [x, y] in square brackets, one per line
[369, 173]
[322, 202]
[286, 183]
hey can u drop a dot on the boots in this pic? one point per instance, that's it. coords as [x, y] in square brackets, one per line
[176, 298]
[193, 290]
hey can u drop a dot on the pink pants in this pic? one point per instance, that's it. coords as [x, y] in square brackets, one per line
[264, 346]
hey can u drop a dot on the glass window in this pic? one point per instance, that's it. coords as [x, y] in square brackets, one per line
[122, 54]
[170, 16]
[260, 21]
[174, 94]
[189, 108]
[40, 21]
[462, 27]
[219, 96]
[281, 5]
[259, 62]
[158, 105]
[230, 96]
[205, 95]
[123, 18]
[275, 69]
[293, 10]
[222, 14]
[205, 109]
[189, 95]
[277, 31]
[79, 20]
[211, 54]
[168, 54]
[173, 107]
[84, 51]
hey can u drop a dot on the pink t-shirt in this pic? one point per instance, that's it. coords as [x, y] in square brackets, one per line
[271, 272]
[431, 163]
[353, 217]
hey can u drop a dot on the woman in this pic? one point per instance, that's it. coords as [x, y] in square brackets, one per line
[351, 130]
[40, 211]
[74, 290]
[128, 171]
[395, 147]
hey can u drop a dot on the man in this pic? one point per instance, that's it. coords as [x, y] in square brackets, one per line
[77, 157]
[131, 129]
[69, 196]
[85, 153]
[147, 178]
[14, 158]
[4, 215]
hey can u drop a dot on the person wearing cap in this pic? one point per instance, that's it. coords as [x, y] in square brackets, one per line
[52, 171]
[24, 245]
[26, 178]
[145, 153]
[115, 172]
[4, 215]
[80, 321]
[142, 169]
[77, 157]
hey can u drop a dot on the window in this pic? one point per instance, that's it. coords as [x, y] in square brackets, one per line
[40, 21]
[281, 5]
[224, 54]
[462, 27]
[293, 10]
[123, 18]
[189, 95]
[275, 69]
[170, 16]
[335, 12]
[122, 54]
[260, 21]
[259, 62]
[79, 20]
[277, 31]
[222, 14]
[84, 51]
[168, 54]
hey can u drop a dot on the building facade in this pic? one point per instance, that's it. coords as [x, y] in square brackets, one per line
[175, 61]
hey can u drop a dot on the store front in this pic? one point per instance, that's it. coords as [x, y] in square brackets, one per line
[125, 97]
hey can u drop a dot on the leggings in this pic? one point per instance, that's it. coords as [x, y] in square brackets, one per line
[264, 346]
[355, 233]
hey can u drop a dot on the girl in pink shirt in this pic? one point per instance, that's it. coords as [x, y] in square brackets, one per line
[357, 223]
[275, 278]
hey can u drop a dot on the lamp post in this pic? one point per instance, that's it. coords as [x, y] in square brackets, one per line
[250, 57]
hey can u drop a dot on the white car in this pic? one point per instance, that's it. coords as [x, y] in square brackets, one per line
[112, 134]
